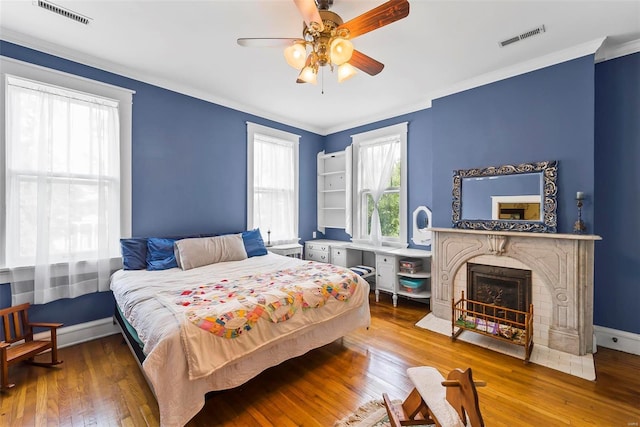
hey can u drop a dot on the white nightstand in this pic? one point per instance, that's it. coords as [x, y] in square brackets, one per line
[293, 250]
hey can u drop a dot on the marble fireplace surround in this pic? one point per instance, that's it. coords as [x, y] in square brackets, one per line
[562, 278]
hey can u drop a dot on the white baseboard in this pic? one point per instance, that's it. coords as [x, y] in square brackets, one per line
[617, 340]
[83, 332]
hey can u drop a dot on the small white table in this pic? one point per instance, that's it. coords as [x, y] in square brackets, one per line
[293, 250]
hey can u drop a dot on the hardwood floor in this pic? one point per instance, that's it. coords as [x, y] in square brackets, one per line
[100, 383]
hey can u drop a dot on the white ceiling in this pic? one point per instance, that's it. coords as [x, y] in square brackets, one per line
[190, 47]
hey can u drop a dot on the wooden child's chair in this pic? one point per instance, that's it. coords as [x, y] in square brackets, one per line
[434, 400]
[19, 345]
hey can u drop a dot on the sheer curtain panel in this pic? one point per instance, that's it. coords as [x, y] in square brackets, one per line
[377, 160]
[62, 188]
[272, 179]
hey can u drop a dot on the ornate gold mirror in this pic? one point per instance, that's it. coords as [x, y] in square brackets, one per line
[509, 197]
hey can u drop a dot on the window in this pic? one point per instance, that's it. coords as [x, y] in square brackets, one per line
[380, 184]
[272, 183]
[67, 192]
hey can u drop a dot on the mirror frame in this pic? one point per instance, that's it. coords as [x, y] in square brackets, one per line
[422, 236]
[549, 170]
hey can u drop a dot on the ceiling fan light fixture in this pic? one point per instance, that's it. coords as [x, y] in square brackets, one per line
[345, 72]
[296, 55]
[341, 50]
[309, 75]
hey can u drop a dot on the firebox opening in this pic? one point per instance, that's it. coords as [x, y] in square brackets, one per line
[500, 286]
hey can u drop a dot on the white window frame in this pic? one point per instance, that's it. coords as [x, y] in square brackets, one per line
[294, 140]
[359, 215]
[25, 70]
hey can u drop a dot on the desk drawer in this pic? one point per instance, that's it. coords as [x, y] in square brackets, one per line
[315, 255]
[321, 247]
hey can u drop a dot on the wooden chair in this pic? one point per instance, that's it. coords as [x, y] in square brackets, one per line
[19, 345]
[434, 400]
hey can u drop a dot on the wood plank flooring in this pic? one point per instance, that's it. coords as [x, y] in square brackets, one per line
[100, 383]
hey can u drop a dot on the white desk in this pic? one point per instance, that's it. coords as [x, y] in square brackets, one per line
[385, 259]
[293, 250]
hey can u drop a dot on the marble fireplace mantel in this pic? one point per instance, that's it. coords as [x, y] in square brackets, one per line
[562, 262]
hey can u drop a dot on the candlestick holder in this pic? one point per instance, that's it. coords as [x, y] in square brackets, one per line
[268, 238]
[579, 227]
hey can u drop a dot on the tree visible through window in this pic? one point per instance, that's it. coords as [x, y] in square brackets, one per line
[379, 185]
[388, 206]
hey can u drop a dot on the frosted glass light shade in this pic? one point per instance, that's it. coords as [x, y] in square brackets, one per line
[296, 55]
[341, 50]
[308, 75]
[345, 72]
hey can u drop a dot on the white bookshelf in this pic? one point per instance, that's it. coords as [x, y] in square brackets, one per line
[333, 176]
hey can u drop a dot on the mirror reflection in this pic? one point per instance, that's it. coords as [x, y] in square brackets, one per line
[507, 197]
[422, 222]
[422, 226]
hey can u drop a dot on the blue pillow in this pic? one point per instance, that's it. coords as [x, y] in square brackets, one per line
[253, 243]
[160, 255]
[134, 253]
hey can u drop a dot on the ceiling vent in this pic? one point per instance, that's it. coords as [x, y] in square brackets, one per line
[531, 33]
[51, 7]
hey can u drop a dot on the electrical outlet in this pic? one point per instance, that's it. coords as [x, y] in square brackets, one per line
[314, 234]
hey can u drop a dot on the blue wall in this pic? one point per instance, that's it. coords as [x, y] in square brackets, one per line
[617, 190]
[189, 162]
[547, 114]
[188, 171]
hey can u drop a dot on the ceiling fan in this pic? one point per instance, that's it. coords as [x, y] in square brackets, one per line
[326, 39]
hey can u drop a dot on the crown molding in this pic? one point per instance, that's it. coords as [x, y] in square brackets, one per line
[608, 51]
[602, 51]
[534, 64]
[554, 58]
[95, 62]
[388, 114]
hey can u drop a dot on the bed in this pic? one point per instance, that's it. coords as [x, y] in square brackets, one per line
[216, 326]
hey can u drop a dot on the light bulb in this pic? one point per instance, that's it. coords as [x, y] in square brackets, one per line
[308, 75]
[345, 72]
[341, 50]
[296, 55]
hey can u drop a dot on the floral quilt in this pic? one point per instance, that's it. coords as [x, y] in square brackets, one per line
[230, 307]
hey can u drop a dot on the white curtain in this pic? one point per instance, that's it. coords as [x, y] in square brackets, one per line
[63, 190]
[376, 166]
[274, 201]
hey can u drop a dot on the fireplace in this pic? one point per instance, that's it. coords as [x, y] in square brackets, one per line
[500, 286]
[561, 268]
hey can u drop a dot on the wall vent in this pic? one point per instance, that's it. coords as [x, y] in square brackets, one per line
[530, 33]
[51, 7]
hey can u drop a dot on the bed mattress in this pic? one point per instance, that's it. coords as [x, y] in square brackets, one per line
[229, 341]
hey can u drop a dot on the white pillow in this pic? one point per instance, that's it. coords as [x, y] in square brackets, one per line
[192, 253]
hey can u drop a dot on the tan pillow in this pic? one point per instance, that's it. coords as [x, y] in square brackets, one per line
[192, 253]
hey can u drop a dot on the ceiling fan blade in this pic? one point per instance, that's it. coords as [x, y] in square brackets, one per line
[310, 13]
[365, 63]
[385, 14]
[267, 42]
